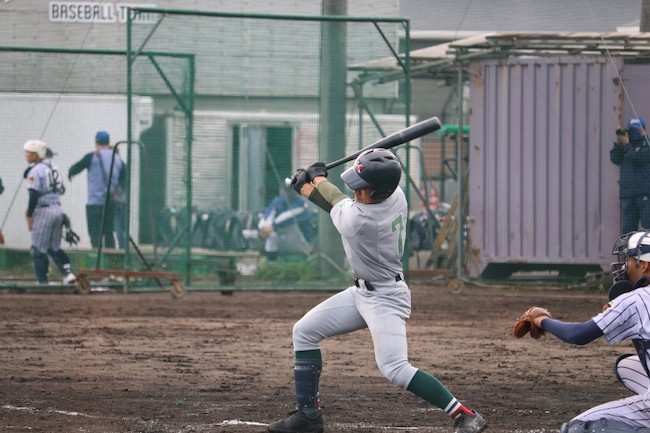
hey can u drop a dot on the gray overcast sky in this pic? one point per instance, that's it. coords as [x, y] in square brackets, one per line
[521, 15]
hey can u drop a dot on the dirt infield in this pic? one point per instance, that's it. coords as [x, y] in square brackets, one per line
[212, 363]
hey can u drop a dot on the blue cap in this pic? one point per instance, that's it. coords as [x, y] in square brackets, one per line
[636, 122]
[102, 137]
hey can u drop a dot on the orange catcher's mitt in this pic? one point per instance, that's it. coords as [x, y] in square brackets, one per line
[526, 323]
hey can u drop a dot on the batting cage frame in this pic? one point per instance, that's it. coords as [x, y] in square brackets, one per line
[329, 26]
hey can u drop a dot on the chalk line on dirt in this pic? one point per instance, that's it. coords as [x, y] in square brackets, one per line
[34, 410]
[349, 426]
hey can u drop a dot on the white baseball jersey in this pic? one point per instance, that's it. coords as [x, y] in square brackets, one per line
[373, 238]
[627, 319]
[373, 235]
[45, 178]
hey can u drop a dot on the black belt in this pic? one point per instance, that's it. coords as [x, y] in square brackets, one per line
[369, 285]
[47, 205]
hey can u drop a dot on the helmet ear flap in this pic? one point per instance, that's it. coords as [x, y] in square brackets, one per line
[378, 195]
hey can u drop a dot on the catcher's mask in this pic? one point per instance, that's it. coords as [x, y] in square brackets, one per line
[632, 244]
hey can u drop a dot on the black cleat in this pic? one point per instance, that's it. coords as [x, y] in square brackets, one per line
[298, 422]
[473, 423]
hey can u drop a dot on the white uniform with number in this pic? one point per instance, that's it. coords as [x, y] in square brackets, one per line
[45, 178]
[373, 238]
[628, 318]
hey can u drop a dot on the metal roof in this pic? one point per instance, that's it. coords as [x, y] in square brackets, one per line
[443, 59]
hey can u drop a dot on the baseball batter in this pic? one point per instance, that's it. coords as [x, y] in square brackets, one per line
[44, 213]
[372, 228]
[626, 317]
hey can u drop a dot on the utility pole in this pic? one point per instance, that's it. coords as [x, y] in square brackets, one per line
[333, 87]
[644, 25]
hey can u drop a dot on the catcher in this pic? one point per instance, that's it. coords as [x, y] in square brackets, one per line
[625, 317]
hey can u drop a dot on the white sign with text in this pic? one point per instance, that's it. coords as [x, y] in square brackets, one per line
[96, 12]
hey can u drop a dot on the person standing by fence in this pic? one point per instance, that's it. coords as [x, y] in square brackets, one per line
[98, 165]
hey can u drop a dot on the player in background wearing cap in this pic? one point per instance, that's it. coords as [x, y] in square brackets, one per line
[373, 232]
[625, 317]
[44, 213]
[98, 164]
[631, 152]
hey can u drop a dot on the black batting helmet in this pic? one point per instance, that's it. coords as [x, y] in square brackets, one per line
[378, 169]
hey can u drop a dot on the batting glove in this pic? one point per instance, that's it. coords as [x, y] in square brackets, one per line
[317, 169]
[299, 180]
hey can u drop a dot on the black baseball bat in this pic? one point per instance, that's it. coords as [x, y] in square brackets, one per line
[395, 139]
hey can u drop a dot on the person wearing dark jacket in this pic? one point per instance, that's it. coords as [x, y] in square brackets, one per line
[631, 152]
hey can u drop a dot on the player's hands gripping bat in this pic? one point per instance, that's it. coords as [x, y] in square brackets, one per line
[526, 323]
[299, 180]
[316, 169]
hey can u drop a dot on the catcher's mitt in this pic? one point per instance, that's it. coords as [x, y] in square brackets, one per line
[2, 238]
[525, 324]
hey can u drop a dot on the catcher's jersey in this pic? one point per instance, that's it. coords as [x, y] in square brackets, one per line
[45, 178]
[373, 235]
[628, 318]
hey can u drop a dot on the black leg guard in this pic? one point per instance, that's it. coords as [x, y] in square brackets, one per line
[62, 261]
[306, 373]
[41, 265]
[619, 359]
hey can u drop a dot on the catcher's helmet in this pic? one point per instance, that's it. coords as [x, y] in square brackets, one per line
[378, 169]
[633, 244]
[37, 146]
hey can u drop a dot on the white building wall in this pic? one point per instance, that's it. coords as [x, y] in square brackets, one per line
[68, 125]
